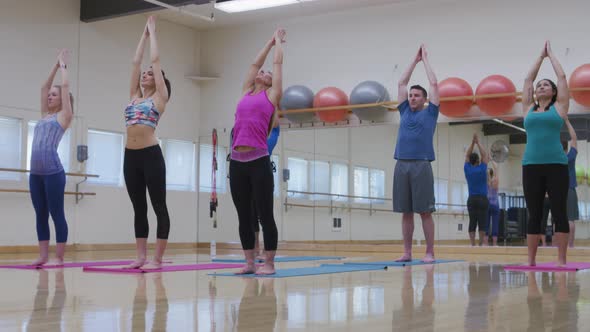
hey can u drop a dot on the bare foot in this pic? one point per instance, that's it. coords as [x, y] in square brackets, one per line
[429, 258]
[248, 269]
[57, 262]
[136, 265]
[267, 269]
[40, 261]
[532, 263]
[404, 258]
[153, 265]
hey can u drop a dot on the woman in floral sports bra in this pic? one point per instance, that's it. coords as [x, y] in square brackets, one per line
[250, 175]
[143, 165]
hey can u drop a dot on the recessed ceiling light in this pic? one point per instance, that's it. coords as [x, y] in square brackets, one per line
[236, 6]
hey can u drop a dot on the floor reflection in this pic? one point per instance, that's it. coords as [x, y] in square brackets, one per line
[44, 318]
[258, 307]
[140, 305]
[416, 316]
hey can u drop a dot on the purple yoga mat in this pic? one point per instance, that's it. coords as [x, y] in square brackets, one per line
[549, 267]
[66, 265]
[169, 268]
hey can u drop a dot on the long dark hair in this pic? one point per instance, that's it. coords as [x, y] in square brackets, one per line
[473, 158]
[168, 86]
[553, 98]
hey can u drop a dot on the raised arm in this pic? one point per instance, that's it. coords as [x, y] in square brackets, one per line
[572, 132]
[496, 179]
[563, 92]
[161, 89]
[255, 67]
[528, 89]
[470, 149]
[47, 86]
[484, 154]
[402, 85]
[134, 88]
[277, 76]
[65, 115]
[433, 93]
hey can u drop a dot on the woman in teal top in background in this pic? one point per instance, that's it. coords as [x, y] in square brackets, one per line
[544, 164]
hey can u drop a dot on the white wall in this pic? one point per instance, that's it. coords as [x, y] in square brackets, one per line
[468, 39]
[31, 33]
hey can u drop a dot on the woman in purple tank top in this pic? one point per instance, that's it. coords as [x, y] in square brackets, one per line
[251, 178]
[47, 179]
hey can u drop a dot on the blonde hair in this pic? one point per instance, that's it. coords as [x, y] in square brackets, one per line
[71, 98]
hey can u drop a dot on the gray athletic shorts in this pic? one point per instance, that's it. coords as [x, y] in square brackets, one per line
[413, 187]
[573, 212]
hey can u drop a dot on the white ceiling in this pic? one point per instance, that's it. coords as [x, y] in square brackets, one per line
[223, 19]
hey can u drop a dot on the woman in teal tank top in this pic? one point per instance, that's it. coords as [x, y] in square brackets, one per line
[544, 164]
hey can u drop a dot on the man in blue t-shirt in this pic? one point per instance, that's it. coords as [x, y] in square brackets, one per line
[573, 211]
[476, 174]
[413, 181]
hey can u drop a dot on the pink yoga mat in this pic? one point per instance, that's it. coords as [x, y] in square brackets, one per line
[169, 268]
[68, 265]
[549, 267]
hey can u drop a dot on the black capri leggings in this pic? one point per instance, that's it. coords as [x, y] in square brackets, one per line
[478, 207]
[145, 168]
[252, 183]
[552, 179]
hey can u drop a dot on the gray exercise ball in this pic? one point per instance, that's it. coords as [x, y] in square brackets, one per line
[369, 92]
[296, 97]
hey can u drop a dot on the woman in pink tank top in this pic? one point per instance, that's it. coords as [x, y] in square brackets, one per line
[251, 179]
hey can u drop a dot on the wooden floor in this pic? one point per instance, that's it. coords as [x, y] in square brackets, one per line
[475, 295]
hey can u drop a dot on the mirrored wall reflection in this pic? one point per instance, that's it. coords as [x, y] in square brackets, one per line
[338, 181]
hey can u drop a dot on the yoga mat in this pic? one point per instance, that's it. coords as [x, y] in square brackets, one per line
[412, 262]
[280, 259]
[65, 265]
[308, 271]
[549, 267]
[168, 268]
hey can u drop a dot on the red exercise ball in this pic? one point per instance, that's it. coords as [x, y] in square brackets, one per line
[491, 85]
[455, 87]
[580, 78]
[331, 96]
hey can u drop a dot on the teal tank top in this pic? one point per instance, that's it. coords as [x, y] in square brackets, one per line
[543, 145]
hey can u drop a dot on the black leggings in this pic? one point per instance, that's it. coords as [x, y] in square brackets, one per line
[552, 179]
[253, 182]
[145, 168]
[255, 214]
[478, 206]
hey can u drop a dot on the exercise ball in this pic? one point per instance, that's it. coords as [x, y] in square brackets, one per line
[455, 87]
[580, 78]
[498, 105]
[369, 92]
[297, 97]
[331, 96]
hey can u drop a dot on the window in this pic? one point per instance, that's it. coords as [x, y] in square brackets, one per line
[63, 150]
[205, 168]
[105, 157]
[319, 179]
[369, 183]
[456, 196]
[339, 181]
[10, 147]
[361, 184]
[377, 185]
[297, 177]
[441, 190]
[180, 164]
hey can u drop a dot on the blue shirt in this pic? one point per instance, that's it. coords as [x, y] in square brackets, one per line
[416, 131]
[571, 167]
[44, 157]
[543, 142]
[477, 178]
[273, 139]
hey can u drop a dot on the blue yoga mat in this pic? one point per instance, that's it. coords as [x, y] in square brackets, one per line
[279, 259]
[308, 271]
[394, 263]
